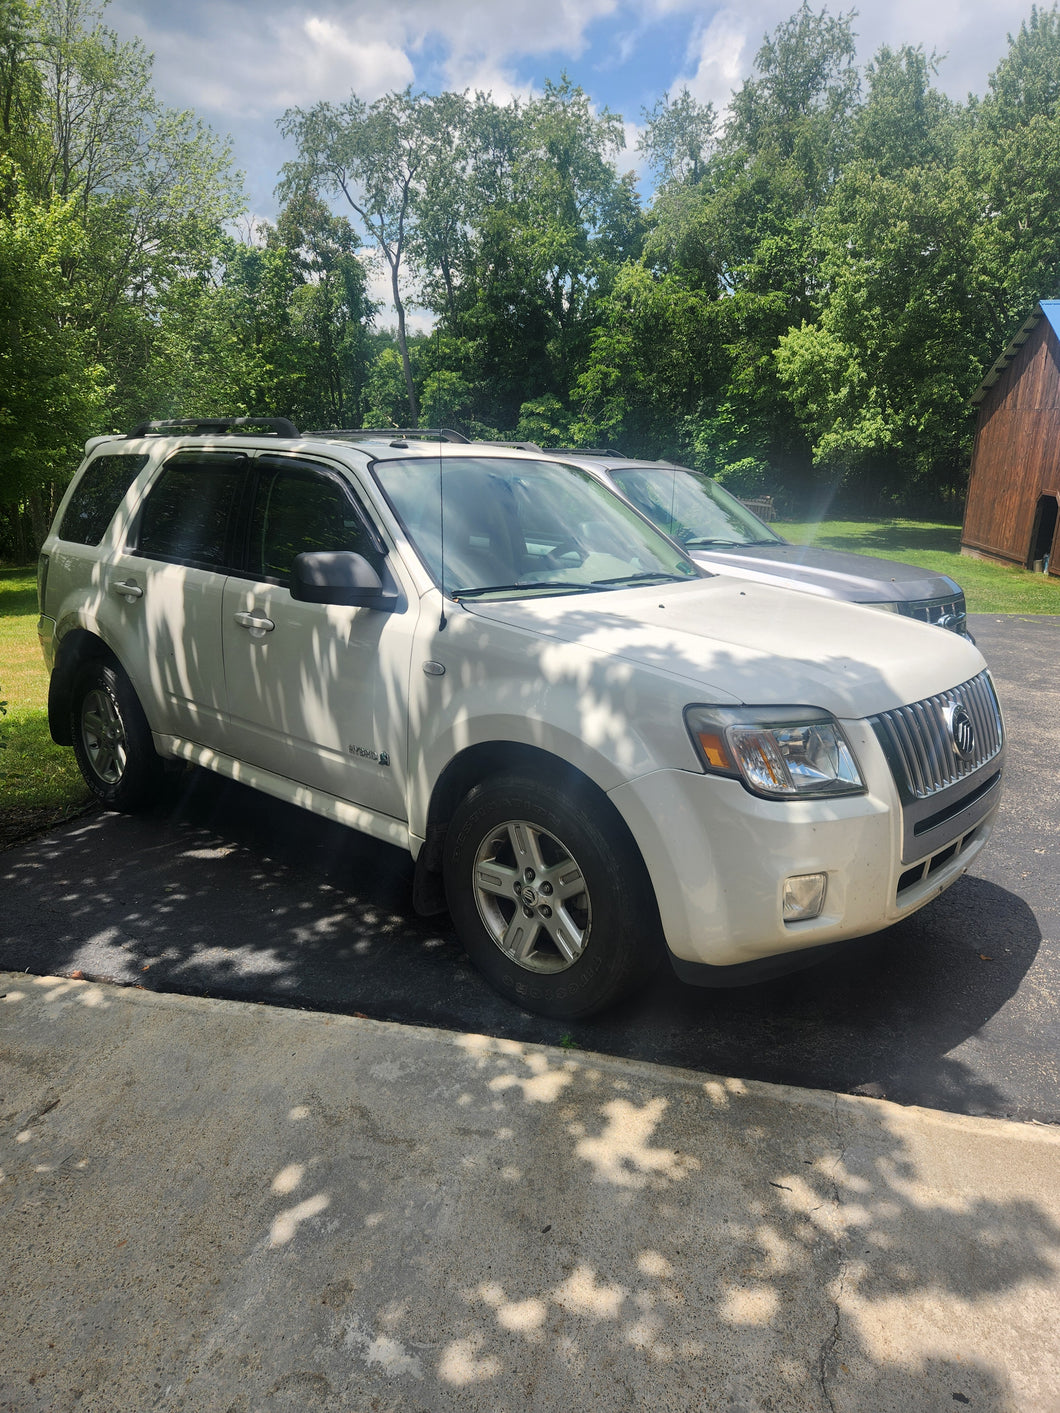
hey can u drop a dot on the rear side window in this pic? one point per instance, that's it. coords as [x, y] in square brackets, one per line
[190, 511]
[97, 496]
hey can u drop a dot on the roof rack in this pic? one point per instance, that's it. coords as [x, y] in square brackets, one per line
[394, 434]
[276, 426]
[510, 446]
[582, 451]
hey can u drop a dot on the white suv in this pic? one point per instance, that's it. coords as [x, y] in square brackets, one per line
[485, 656]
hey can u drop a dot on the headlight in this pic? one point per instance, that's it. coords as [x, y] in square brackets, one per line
[884, 607]
[780, 752]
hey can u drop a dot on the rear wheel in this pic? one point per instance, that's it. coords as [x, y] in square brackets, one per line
[549, 896]
[112, 740]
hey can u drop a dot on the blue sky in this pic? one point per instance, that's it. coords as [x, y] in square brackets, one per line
[240, 63]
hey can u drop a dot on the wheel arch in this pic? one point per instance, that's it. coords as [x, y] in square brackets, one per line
[488, 760]
[77, 647]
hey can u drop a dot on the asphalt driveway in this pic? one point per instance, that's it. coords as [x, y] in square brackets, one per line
[226, 893]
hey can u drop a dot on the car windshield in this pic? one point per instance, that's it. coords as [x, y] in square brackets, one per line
[691, 507]
[506, 527]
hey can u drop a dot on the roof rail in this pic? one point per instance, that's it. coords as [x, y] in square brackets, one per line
[511, 446]
[583, 451]
[276, 426]
[394, 434]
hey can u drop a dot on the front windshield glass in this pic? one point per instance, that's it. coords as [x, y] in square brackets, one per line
[691, 507]
[506, 527]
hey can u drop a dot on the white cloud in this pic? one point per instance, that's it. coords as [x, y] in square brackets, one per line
[721, 54]
[284, 61]
[968, 35]
[237, 59]
[499, 31]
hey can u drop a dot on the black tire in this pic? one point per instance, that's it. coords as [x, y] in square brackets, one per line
[112, 740]
[582, 929]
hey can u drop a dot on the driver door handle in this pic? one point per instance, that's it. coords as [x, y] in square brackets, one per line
[256, 627]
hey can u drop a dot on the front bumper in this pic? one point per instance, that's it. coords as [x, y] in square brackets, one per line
[718, 857]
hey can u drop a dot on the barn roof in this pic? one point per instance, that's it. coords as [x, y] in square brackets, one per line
[1048, 309]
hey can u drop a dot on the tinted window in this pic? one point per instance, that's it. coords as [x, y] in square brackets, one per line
[97, 496]
[296, 511]
[190, 510]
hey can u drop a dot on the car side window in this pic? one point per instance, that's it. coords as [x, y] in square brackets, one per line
[97, 496]
[297, 510]
[190, 511]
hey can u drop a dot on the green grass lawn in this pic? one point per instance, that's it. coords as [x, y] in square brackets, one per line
[989, 588]
[40, 783]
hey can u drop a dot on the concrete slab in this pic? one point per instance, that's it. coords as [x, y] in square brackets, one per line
[213, 1205]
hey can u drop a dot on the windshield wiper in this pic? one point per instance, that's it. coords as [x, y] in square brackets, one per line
[702, 542]
[510, 588]
[648, 576]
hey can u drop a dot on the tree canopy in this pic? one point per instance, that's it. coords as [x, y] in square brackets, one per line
[800, 290]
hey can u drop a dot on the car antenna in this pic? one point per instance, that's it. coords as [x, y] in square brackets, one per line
[442, 620]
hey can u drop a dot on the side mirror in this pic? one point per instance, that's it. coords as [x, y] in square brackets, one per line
[340, 577]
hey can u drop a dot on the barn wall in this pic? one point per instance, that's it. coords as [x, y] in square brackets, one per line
[1016, 457]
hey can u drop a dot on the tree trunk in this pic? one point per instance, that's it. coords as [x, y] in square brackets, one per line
[410, 386]
[38, 520]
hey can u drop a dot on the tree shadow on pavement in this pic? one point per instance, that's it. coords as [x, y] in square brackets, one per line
[225, 892]
[454, 1222]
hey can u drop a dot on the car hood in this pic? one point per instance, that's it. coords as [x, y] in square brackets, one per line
[830, 573]
[737, 641]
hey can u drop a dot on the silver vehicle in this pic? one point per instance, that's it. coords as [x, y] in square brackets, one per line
[724, 536]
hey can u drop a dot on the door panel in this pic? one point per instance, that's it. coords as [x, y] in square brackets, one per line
[317, 693]
[170, 644]
[321, 696]
[164, 595]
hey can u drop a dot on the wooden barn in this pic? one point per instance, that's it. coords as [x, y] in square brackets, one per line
[1014, 486]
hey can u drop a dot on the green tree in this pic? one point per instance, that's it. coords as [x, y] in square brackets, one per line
[147, 188]
[52, 389]
[21, 91]
[330, 312]
[741, 232]
[1011, 156]
[679, 134]
[544, 223]
[653, 361]
[879, 376]
[379, 158]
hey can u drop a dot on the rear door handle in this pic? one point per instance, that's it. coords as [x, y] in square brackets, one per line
[129, 590]
[256, 627]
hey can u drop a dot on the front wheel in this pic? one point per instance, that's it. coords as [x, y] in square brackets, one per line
[112, 740]
[549, 896]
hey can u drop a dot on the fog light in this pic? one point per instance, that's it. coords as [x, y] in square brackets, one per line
[804, 896]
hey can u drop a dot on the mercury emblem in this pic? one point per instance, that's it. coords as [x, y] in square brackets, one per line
[962, 732]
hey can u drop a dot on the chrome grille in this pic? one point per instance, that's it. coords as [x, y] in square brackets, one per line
[947, 612]
[919, 745]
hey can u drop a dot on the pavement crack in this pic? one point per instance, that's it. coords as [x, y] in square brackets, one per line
[827, 1354]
